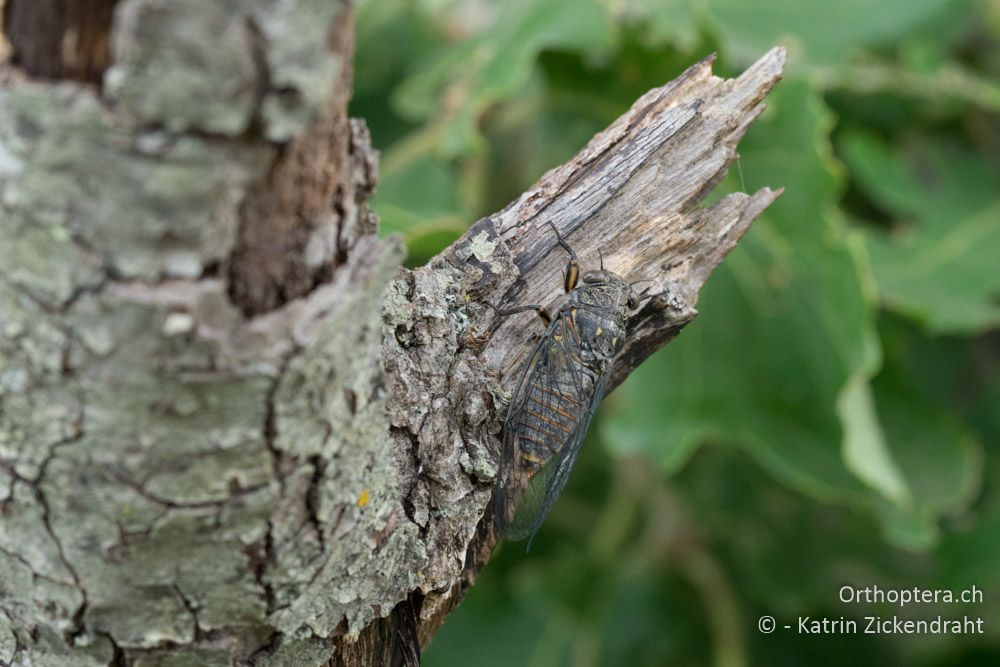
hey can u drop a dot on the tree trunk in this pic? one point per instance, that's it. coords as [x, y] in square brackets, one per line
[232, 429]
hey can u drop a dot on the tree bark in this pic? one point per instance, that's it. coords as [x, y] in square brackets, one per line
[232, 429]
[59, 39]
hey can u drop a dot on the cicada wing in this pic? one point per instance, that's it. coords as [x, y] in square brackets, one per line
[545, 487]
[514, 467]
[545, 428]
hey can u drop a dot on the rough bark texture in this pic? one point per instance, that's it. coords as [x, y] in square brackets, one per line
[232, 430]
[66, 39]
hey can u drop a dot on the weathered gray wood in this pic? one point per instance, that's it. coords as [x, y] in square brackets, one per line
[634, 193]
[231, 428]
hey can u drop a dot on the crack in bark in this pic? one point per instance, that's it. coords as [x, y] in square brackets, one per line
[258, 55]
[192, 609]
[260, 554]
[312, 499]
[35, 485]
[263, 556]
[140, 489]
[18, 647]
[265, 651]
[118, 658]
[35, 575]
[392, 640]
[79, 621]
[293, 226]
[403, 433]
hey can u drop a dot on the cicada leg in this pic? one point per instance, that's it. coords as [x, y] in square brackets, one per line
[476, 340]
[540, 310]
[571, 274]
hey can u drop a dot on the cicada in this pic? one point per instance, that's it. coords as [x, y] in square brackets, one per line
[558, 393]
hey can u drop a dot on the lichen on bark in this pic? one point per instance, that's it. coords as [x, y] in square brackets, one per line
[154, 482]
[232, 430]
[219, 67]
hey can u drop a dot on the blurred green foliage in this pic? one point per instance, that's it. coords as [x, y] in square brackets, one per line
[833, 415]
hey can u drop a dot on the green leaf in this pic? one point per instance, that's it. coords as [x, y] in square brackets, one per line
[939, 265]
[413, 34]
[672, 22]
[865, 448]
[938, 454]
[940, 460]
[567, 100]
[816, 31]
[785, 325]
[418, 199]
[794, 390]
[488, 629]
[971, 551]
[460, 81]
[913, 448]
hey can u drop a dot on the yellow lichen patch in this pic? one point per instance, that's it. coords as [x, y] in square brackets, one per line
[363, 498]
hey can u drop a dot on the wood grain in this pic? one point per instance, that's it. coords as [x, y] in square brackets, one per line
[633, 193]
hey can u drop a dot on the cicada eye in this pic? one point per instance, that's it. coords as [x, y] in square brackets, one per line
[633, 301]
[593, 277]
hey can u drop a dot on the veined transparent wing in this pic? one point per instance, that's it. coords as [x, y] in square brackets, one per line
[546, 423]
